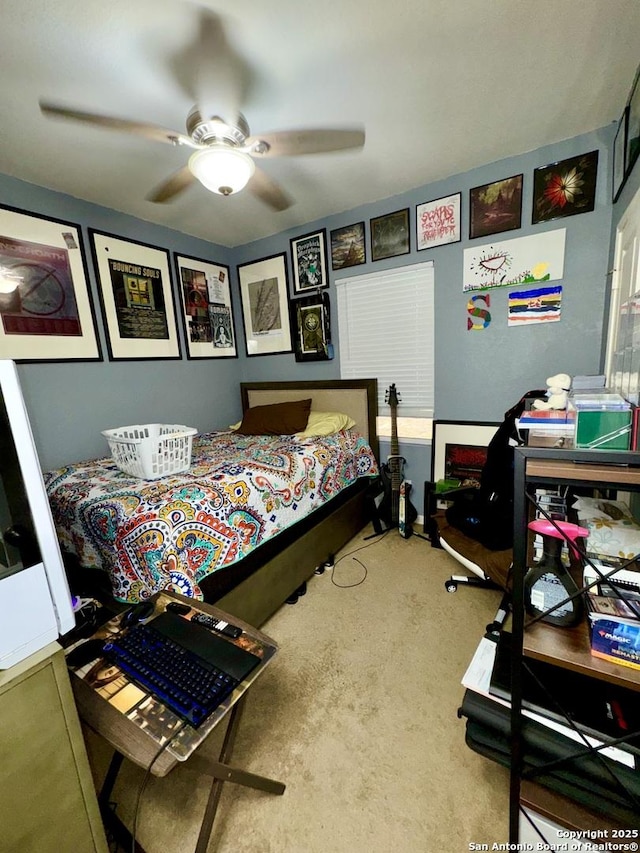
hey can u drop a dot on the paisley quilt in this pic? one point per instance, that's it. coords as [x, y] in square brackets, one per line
[171, 533]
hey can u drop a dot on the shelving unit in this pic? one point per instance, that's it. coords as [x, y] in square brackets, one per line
[565, 648]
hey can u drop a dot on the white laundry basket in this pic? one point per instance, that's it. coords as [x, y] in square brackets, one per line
[150, 451]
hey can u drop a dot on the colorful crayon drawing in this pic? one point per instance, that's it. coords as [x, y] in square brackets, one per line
[539, 305]
[523, 260]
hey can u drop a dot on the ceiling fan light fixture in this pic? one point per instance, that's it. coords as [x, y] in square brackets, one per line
[222, 170]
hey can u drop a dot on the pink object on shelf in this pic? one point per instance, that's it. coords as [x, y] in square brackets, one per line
[566, 531]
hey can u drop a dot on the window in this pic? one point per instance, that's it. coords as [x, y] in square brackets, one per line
[386, 330]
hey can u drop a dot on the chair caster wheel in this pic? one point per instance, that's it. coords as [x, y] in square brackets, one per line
[451, 586]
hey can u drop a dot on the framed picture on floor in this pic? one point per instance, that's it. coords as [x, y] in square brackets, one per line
[134, 282]
[309, 261]
[390, 235]
[459, 451]
[207, 311]
[46, 312]
[265, 306]
[495, 207]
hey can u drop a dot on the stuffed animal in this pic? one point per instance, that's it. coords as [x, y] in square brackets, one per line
[557, 393]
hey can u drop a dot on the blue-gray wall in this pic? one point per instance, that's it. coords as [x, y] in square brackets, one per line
[479, 374]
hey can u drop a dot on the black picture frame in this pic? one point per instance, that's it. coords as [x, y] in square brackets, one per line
[47, 312]
[136, 292]
[310, 324]
[438, 222]
[565, 188]
[496, 207]
[309, 261]
[633, 125]
[264, 294]
[207, 315]
[620, 156]
[390, 235]
[348, 247]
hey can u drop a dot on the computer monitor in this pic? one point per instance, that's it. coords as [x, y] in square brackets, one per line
[35, 602]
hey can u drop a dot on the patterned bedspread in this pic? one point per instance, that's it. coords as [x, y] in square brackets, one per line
[171, 533]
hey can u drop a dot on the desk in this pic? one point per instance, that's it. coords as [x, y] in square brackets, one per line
[143, 730]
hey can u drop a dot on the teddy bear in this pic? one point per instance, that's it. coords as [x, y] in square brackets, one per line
[557, 393]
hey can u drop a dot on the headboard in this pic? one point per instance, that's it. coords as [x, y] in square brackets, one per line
[357, 398]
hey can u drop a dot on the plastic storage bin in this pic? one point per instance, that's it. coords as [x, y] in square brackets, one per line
[151, 451]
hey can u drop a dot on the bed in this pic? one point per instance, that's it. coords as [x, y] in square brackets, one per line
[244, 538]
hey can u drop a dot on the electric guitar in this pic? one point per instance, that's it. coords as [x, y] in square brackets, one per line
[396, 510]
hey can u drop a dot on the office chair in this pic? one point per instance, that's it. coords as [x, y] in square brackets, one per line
[476, 528]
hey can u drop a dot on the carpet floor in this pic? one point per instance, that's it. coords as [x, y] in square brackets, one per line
[356, 715]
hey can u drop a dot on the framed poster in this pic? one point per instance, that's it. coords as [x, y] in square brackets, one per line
[207, 312]
[134, 282]
[347, 246]
[310, 316]
[438, 222]
[633, 127]
[46, 313]
[265, 306]
[565, 188]
[495, 207]
[390, 235]
[309, 261]
[620, 155]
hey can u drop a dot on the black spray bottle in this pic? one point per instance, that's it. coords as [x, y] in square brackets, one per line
[548, 582]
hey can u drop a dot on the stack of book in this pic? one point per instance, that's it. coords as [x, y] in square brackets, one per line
[546, 427]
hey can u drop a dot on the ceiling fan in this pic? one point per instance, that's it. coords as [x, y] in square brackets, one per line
[224, 150]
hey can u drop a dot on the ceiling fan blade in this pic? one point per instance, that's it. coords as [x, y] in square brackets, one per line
[173, 186]
[295, 142]
[149, 131]
[267, 190]
[210, 72]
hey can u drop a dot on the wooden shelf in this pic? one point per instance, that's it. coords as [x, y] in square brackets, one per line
[564, 648]
[561, 810]
[582, 472]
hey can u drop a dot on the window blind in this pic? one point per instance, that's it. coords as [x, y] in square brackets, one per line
[386, 331]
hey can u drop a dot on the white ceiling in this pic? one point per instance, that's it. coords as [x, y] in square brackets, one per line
[441, 86]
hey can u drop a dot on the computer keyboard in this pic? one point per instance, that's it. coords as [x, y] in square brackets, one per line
[183, 664]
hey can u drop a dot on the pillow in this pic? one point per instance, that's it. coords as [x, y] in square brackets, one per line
[276, 419]
[326, 423]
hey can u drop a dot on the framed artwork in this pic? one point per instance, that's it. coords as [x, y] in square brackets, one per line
[620, 155]
[265, 306]
[134, 283]
[565, 188]
[207, 311]
[309, 260]
[347, 246]
[495, 207]
[633, 127]
[46, 312]
[459, 451]
[390, 235]
[310, 318]
[438, 222]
